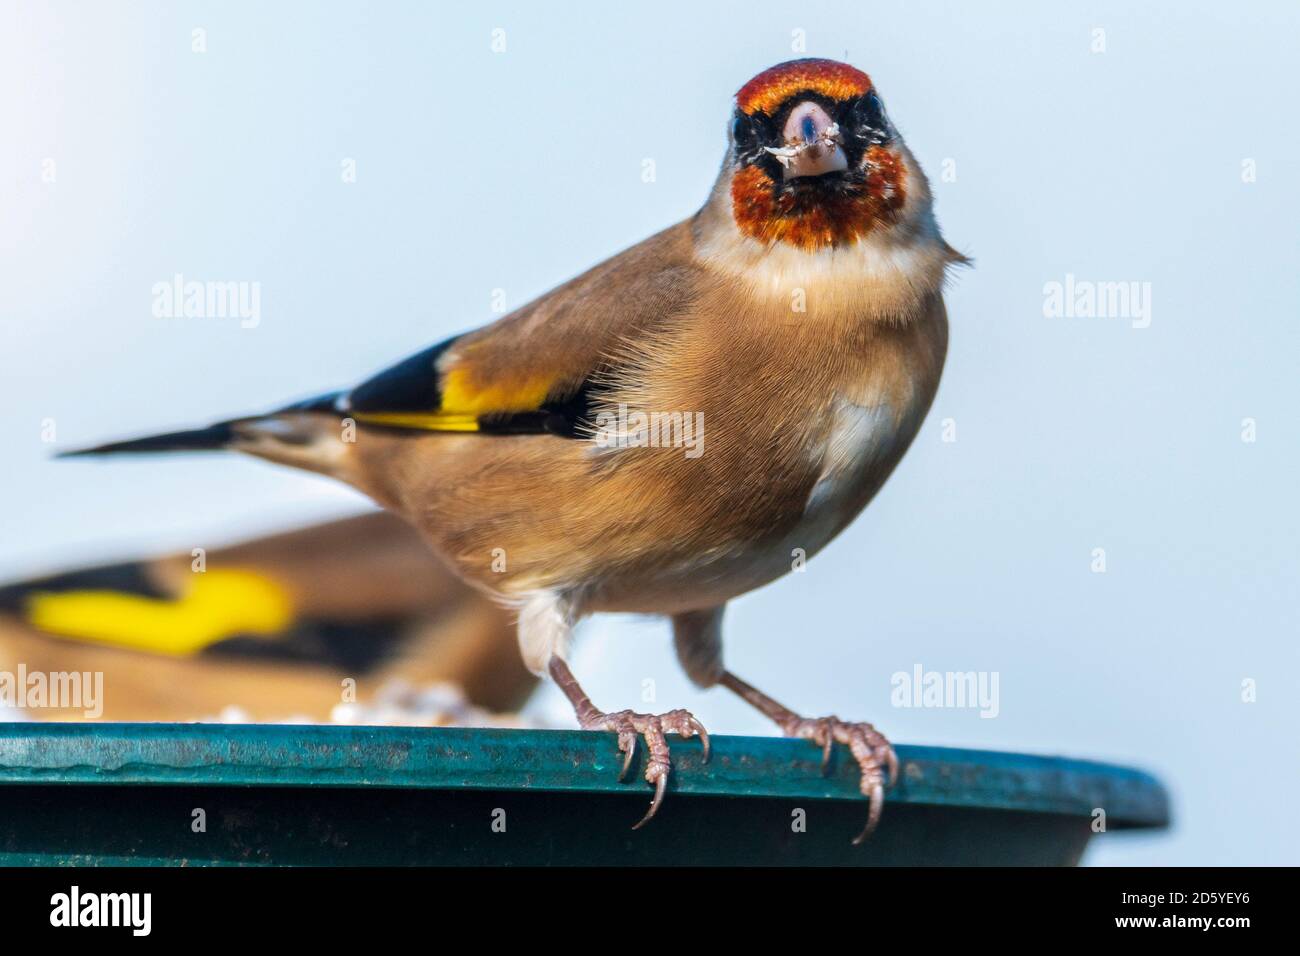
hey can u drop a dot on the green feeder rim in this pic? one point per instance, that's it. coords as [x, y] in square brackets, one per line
[446, 758]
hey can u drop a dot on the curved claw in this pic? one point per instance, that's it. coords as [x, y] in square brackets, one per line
[629, 726]
[875, 757]
[661, 785]
[891, 761]
[627, 744]
[702, 734]
[875, 803]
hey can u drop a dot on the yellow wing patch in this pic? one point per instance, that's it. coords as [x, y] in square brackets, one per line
[463, 403]
[219, 604]
[459, 396]
[432, 421]
[453, 387]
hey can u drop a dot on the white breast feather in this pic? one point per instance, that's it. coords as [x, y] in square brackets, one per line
[860, 437]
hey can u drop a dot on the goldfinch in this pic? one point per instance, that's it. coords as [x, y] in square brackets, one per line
[683, 422]
[271, 627]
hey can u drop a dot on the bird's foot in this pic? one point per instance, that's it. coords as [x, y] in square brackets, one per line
[630, 725]
[869, 747]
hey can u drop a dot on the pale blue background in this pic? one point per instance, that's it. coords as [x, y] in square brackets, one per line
[479, 171]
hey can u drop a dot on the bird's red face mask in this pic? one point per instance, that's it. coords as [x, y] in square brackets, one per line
[814, 156]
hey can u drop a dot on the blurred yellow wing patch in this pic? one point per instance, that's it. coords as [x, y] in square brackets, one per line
[219, 604]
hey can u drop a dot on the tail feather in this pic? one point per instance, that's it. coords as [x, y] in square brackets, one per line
[213, 438]
[294, 425]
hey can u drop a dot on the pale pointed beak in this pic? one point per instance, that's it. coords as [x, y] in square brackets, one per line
[812, 143]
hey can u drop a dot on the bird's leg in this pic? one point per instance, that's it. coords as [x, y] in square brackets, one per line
[868, 746]
[630, 725]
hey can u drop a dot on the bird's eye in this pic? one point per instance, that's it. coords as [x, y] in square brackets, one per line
[751, 133]
[741, 130]
[868, 115]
